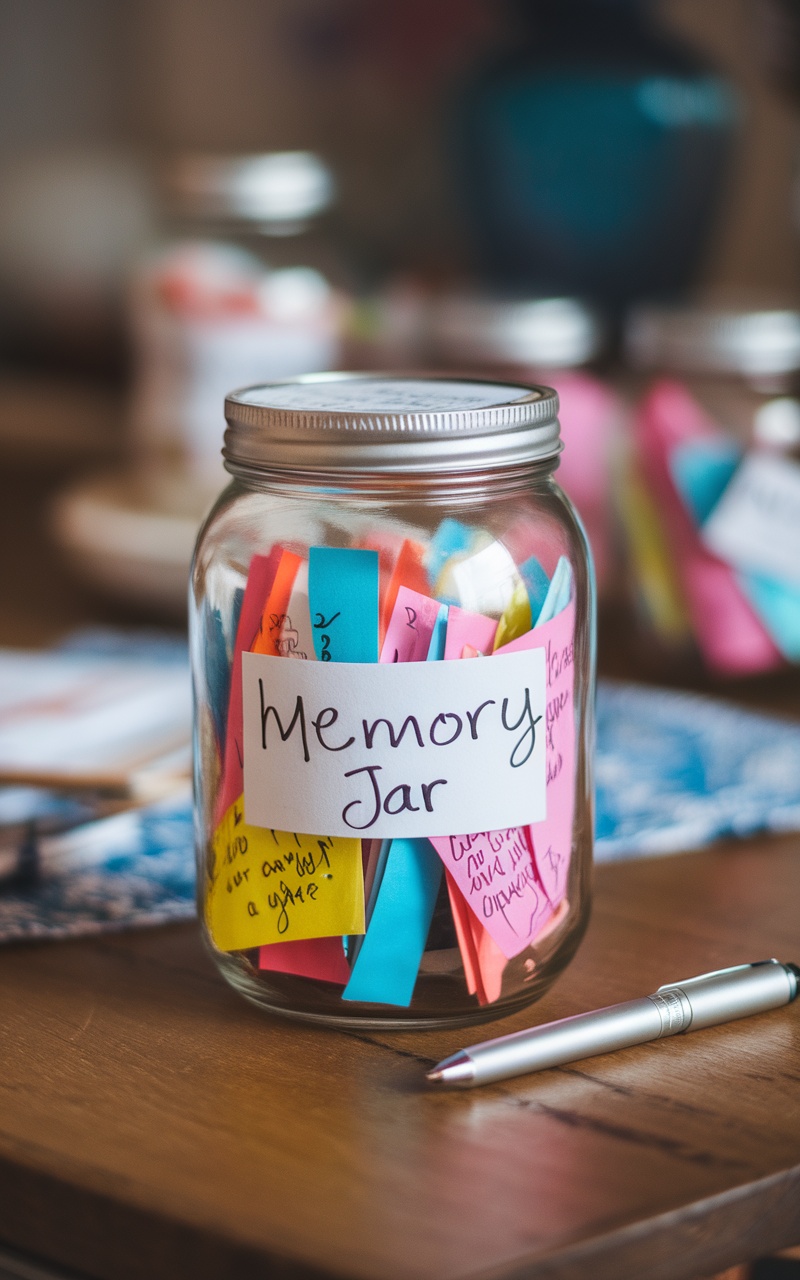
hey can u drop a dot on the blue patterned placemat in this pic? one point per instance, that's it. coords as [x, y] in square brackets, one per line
[674, 772]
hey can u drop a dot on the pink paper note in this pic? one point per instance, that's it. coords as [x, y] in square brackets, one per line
[408, 635]
[320, 958]
[260, 577]
[495, 872]
[552, 838]
[468, 629]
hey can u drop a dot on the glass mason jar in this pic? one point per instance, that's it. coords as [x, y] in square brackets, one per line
[374, 526]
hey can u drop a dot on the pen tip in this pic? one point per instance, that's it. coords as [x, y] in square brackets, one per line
[435, 1076]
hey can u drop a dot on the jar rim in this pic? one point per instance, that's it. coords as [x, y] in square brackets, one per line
[352, 422]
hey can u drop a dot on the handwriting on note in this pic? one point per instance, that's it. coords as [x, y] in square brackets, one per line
[552, 837]
[279, 886]
[495, 872]
[343, 603]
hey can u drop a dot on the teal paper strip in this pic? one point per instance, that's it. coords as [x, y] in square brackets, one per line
[778, 606]
[343, 601]
[438, 636]
[537, 584]
[558, 593]
[386, 967]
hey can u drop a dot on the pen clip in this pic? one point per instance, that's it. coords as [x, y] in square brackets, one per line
[715, 973]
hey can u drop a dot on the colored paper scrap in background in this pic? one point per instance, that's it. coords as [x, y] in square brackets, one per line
[495, 873]
[260, 576]
[385, 969]
[277, 886]
[273, 616]
[320, 958]
[778, 606]
[343, 599]
[552, 838]
[465, 628]
[411, 625]
[701, 471]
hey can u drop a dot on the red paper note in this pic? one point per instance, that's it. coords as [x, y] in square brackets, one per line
[260, 577]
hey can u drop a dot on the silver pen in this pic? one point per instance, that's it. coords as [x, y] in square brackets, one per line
[699, 1002]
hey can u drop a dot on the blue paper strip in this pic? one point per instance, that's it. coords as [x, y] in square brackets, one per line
[343, 601]
[537, 584]
[385, 969]
[438, 636]
[451, 538]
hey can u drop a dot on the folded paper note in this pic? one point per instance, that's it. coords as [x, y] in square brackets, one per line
[411, 625]
[278, 886]
[495, 873]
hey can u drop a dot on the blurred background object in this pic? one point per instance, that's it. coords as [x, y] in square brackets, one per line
[593, 153]
[194, 195]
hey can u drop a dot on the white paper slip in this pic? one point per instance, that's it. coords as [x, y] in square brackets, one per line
[392, 750]
[756, 523]
[73, 719]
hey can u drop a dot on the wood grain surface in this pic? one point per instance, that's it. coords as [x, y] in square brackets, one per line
[152, 1124]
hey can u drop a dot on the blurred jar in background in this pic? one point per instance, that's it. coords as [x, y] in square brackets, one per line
[246, 287]
[590, 153]
[552, 341]
[723, 399]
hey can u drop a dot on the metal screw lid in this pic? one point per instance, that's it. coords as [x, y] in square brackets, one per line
[359, 422]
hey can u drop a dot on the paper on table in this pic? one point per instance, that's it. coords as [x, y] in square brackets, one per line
[260, 577]
[385, 969]
[278, 886]
[411, 625]
[320, 958]
[552, 837]
[343, 599]
[273, 616]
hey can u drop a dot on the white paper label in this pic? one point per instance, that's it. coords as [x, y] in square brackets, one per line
[390, 750]
[756, 523]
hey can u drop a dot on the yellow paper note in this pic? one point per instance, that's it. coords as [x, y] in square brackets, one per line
[281, 886]
[516, 619]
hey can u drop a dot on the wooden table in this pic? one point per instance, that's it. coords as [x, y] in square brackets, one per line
[152, 1124]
